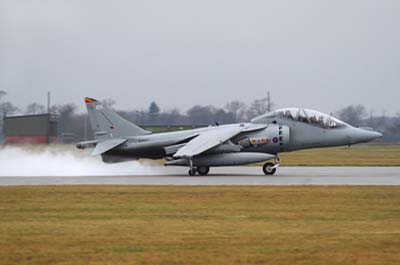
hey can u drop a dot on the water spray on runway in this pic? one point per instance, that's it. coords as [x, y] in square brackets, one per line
[63, 161]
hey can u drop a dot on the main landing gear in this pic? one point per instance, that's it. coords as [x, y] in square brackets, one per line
[202, 170]
[270, 168]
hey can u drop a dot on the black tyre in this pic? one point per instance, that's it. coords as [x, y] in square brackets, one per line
[203, 170]
[192, 172]
[268, 168]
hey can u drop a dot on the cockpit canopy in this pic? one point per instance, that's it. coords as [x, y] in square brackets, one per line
[311, 117]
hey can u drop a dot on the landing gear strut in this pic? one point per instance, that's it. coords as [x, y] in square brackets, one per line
[202, 170]
[192, 170]
[270, 168]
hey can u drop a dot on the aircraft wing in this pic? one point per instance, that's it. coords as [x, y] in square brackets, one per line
[107, 145]
[214, 137]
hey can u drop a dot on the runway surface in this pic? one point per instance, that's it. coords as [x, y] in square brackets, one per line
[227, 176]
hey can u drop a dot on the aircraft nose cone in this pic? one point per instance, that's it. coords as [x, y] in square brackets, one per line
[370, 135]
[378, 135]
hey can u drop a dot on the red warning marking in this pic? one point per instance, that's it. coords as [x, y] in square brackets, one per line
[90, 100]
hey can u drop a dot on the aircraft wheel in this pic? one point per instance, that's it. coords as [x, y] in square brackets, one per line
[268, 168]
[203, 170]
[192, 172]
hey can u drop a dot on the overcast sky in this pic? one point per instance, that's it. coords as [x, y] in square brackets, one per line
[317, 54]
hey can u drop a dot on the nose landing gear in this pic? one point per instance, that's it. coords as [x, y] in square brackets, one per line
[270, 168]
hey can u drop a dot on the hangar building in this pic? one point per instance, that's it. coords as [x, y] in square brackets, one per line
[31, 129]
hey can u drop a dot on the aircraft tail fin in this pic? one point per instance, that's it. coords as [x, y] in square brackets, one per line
[106, 123]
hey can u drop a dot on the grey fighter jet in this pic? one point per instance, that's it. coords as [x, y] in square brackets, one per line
[262, 139]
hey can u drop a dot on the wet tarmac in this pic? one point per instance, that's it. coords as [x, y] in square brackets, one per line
[227, 176]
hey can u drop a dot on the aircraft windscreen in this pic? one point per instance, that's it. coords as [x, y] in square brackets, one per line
[311, 117]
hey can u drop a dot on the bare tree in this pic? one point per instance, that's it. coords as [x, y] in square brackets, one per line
[2, 93]
[174, 117]
[35, 108]
[67, 109]
[236, 108]
[66, 115]
[223, 117]
[201, 115]
[259, 107]
[353, 114]
[109, 103]
[7, 108]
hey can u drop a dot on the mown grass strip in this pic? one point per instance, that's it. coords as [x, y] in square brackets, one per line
[199, 225]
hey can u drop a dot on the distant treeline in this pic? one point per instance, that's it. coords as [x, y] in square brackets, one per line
[75, 126]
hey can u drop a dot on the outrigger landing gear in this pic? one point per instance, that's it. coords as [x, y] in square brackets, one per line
[270, 168]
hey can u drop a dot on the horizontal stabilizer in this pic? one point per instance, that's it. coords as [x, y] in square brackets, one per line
[86, 144]
[107, 145]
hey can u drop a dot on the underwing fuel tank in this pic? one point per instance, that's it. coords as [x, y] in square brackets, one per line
[218, 160]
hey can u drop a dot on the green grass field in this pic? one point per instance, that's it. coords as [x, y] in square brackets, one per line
[199, 225]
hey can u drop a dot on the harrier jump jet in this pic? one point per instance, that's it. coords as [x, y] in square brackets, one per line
[262, 139]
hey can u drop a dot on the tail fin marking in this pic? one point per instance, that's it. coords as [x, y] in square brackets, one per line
[106, 123]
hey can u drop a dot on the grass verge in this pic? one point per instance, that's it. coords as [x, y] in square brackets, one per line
[199, 225]
[359, 155]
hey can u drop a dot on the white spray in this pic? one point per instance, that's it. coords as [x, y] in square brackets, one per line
[64, 161]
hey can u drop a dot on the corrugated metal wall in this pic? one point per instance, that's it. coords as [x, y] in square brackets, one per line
[30, 128]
